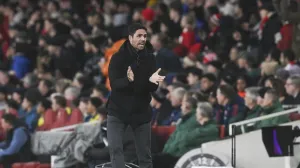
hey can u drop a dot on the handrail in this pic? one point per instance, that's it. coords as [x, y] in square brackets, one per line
[261, 118]
[290, 106]
[72, 126]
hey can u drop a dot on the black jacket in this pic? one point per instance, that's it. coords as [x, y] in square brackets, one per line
[270, 30]
[129, 101]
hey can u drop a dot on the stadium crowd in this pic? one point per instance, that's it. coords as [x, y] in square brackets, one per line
[224, 60]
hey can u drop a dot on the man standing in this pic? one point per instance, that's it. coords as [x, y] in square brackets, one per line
[133, 76]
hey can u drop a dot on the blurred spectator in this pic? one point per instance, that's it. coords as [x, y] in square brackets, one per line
[71, 93]
[176, 101]
[232, 110]
[165, 58]
[289, 11]
[30, 81]
[83, 106]
[61, 85]
[101, 92]
[269, 28]
[28, 111]
[193, 78]
[271, 105]
[241, 84]
[292, 87]
[45, 88]
[182, 141]
[47, 116]
[254, 110]
[289, 60]
[93, 104]
[208, 82]
[161, 108]
[59, 105]
[17, 145]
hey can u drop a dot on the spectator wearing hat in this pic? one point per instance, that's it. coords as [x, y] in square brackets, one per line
[93, 104]
[232, 110]
[208, 83]
[165, 58]
[193, 78]
[161, 108]
[270, 28]
[271, 105]
[47, 116]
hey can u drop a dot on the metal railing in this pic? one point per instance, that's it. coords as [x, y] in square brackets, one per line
[242, 123]
[70, 127]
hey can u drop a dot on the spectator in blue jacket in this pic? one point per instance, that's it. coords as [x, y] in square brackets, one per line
[176, 98]
[28, 111]
[16, 147]
[20, 63]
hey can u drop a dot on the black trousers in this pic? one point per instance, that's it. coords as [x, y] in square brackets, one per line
[142, 137]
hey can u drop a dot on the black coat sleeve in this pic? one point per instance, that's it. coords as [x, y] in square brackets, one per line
[118, 74]
[152, 86]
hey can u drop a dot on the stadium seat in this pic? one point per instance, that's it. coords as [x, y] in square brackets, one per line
[222, 131]
[163, 131]
[44, 166]
[162, 134]
[26, 165]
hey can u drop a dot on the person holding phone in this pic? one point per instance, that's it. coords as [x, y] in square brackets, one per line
[133, 76]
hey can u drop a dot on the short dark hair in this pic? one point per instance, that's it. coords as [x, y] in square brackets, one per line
[228, 91]
[101, 88]
[96, 102]
[45, 103]
[289, 54]
[48, 83]
[61, 101]
[273, 94]
[134, 27]
[11, 119]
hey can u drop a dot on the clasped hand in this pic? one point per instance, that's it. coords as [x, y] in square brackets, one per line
[155, 77]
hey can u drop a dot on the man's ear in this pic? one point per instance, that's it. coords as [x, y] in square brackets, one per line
[130, 37]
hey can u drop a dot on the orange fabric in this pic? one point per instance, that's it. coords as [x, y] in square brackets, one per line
[242, 94]
[108, 54]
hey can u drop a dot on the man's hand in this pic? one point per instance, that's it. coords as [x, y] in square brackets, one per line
[156, 78]
[130, 74]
